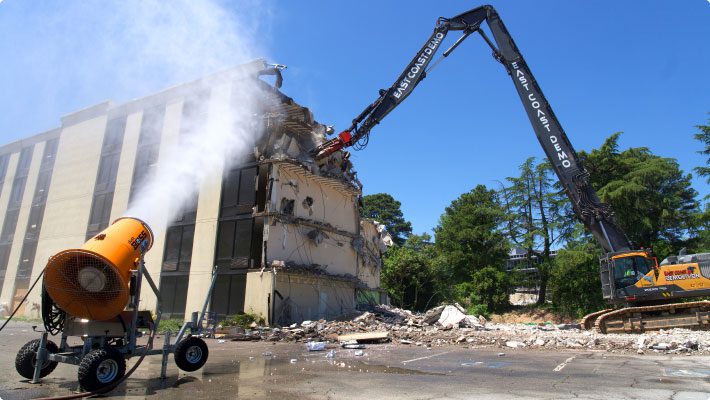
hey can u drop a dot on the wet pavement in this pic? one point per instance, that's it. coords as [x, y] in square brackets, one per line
[265, 370]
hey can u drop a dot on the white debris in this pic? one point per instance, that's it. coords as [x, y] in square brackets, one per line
[451, 316]
[315, 346]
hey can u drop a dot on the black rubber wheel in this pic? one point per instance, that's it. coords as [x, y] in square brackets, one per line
[27, 358]
[101, 368]
[191, 354]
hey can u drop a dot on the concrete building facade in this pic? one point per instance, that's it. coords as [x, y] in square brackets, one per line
[283, 229]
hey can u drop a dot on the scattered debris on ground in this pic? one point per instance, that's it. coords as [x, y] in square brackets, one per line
[450, 325]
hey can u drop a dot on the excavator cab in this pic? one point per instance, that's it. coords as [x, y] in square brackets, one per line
[622, 270]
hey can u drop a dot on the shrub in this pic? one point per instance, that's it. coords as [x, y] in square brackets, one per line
[488, 290]
[243, 320]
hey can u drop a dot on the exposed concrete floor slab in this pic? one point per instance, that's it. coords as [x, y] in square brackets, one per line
[245, 370]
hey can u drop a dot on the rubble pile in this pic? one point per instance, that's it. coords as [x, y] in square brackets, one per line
[450, 325]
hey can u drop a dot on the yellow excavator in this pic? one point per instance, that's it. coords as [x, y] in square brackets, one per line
[646, 295]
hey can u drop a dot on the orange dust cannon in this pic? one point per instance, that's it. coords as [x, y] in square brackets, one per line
[93, 282]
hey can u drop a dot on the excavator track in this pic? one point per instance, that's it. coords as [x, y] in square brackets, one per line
[693, 315]
[588, 321]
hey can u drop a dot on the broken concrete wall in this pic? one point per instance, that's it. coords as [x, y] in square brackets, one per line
[299, 297]
[310, 222]
[371, 252]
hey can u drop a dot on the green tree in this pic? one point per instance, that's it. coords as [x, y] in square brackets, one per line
[651, 196]
[539, 215]
[408, 274]
[575, 284]
[488, 287]
[704, 137]
[383, 208]
[469, 235]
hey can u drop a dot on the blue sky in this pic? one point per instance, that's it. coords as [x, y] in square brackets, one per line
[634, 66]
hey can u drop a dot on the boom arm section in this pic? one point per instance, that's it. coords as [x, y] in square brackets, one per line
[595, 215]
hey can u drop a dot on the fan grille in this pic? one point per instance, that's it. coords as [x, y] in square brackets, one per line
[86, 285]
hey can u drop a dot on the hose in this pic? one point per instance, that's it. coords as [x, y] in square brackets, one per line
[22, 301]
[112, 386]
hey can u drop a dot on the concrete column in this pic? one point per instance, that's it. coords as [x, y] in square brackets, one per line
[154, 258]
[204, 245]
[71, 191]
[5, 195]
[8, 287]
[127, 162]
[258, 291]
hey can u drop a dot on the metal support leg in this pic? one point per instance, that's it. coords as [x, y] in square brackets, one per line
[166, 352]
[40, 359]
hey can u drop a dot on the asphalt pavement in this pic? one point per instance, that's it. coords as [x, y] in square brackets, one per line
[265, 370]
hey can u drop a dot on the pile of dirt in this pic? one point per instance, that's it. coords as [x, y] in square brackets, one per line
[529, 315]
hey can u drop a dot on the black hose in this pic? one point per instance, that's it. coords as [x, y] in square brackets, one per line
[22, 301]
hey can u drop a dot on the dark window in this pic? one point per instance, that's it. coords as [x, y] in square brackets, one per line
[148, 148]
[23, 164]
[100, 213]
[238, 192]
[178, 248]
[9, 226]
[106, 176]
[234, 243]
[235, 229]
[228, 294]
[35, 222]
[113, 139]
[50, 152]
[27, 258]
[3, 166]
[42, 187]
[225, 242]
[188, 212]
[108, 168]
[17, 191]
[152, 125]
[173, 290]
[4, 256]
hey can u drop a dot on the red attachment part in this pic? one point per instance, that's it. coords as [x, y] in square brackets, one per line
[345, 136]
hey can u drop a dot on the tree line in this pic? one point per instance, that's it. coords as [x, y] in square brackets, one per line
[652, 198]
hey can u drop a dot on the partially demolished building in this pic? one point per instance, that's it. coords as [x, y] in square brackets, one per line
[284, 230]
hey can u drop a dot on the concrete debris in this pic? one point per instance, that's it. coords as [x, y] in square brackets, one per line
[662, 346]
[431, 316]
[447, 325]
[365, 337]
[451, 316]
[315, 346]
[569, 326]
[351, 344]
